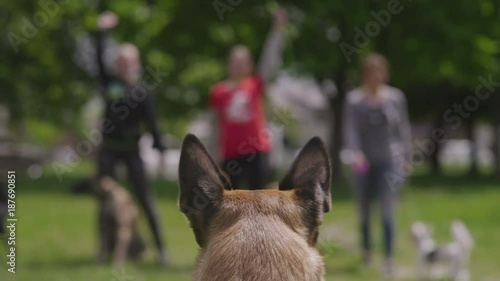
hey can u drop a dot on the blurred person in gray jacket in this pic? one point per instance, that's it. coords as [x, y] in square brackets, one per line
[378, 135]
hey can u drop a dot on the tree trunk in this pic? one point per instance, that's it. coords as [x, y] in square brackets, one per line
[496, 132]
[435, 162]
[337, 104]
[474, 165]
[496, 148]
[442, 92]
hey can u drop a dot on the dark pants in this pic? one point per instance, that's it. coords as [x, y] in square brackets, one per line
[107, 160]
[251, 168]
[374, 186]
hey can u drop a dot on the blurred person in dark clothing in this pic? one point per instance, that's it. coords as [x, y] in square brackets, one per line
[244, 137]
[128, 105]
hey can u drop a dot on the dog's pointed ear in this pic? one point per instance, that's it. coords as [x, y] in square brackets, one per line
[201, 181]
[310, 174]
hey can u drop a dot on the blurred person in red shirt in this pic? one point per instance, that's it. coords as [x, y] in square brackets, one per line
[244, 138]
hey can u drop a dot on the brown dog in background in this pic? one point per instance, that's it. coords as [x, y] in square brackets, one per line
[261, 235]
[118, 231]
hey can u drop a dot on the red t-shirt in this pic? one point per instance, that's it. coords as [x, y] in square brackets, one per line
[243, 128]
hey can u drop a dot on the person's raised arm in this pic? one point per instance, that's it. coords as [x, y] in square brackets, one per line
[271, 58]
[105, 22]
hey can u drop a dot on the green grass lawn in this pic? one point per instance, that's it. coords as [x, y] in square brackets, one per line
[57, 242]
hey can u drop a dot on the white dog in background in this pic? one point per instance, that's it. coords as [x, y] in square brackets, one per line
[455, 255]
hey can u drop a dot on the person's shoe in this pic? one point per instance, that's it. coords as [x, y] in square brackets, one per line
[367, 260]
[388, 270]
[163, 259]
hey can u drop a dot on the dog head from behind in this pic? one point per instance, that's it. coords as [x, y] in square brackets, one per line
[256, 234]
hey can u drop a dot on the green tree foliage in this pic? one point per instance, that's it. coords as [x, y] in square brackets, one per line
[427, 42]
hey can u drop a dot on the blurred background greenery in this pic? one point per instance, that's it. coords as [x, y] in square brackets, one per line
[437, 50]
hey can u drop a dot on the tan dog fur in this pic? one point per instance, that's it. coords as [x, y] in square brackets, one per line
[118, 230]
